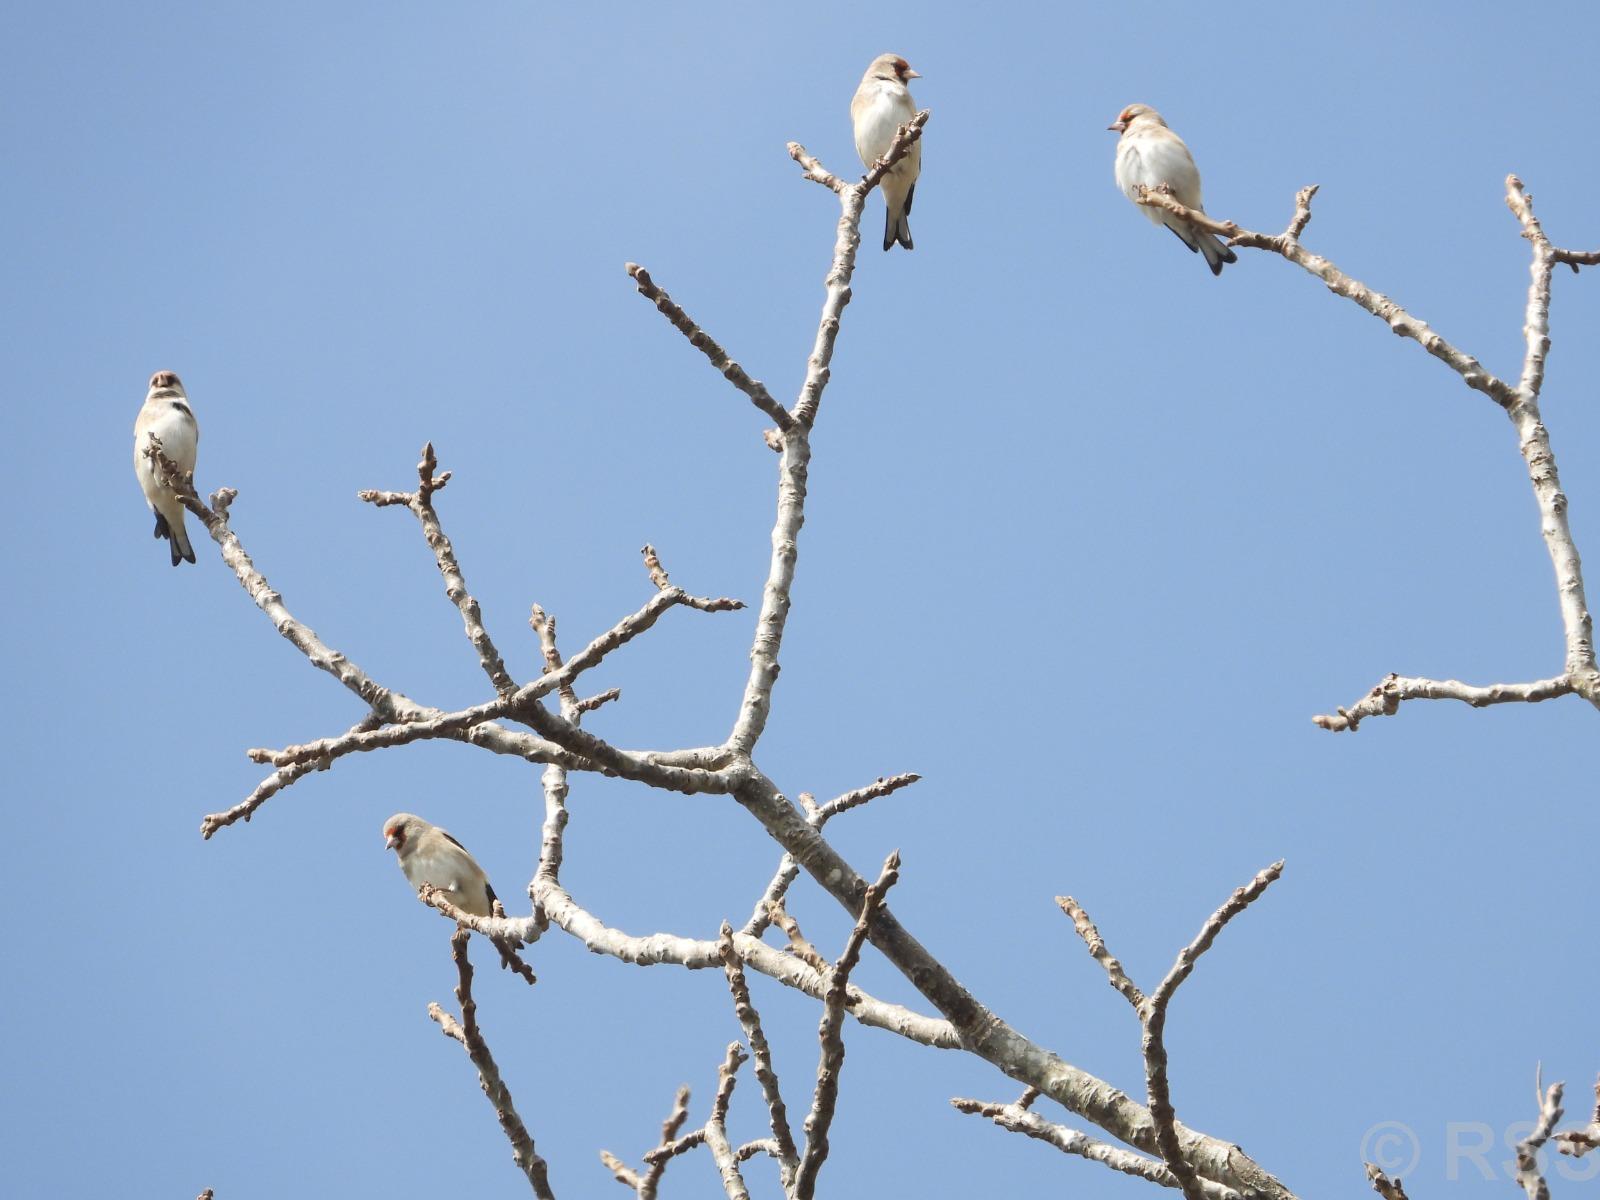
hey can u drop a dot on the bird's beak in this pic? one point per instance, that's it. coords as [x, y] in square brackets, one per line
[1117, 126]
[392, 842]
[910, 74]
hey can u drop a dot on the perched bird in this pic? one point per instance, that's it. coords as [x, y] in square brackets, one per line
[167, 415]
[428, 854]
[1149, 153]
[880, 106]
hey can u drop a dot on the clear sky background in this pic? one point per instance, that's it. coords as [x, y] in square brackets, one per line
[1091, 537]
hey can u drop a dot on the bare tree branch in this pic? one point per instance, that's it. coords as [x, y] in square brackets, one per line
[1153, 1014]
[467, 1033]
[788, 869]
[644, 1186]
[505, 934]
[1287, 244]
[1529, 1177]
[1520, 402]
[1097, 950]
[388, 704]
[761, 1056]
[716, 1126]
[1534, 441]
[564, 912]
[799, 945]
[830, 1033]
[1385, 699]
[420, 502]
[796, 455]
[1578, 1142]
[703, 342]
[1018, 1119]
[1389, 1189]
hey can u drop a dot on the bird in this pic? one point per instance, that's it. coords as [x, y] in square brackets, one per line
[1150, 154]
[167, 415]
[429, 855]
[880, 106]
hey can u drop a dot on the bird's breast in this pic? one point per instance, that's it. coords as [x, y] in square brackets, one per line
[878, 120]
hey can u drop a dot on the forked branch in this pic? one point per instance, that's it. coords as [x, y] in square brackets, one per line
[1580, 675]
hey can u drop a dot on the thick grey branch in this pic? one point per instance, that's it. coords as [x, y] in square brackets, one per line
[981, 1031]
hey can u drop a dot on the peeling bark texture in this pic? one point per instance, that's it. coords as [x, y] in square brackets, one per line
[521, 720]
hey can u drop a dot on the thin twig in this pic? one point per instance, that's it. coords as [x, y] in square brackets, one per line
[799, 945]
[703, 342]
[1529, 1177]
[1385, 698]
[505, 933]
[1018, 1119]
[466, 1032]
[791, 971]
[830, 1034]
[760, 1055]
[1387, 1187]
[1578, 1142]
[788, 869]
[387, 703]
[1098, 951]
[716, 1126]
[1153, 1014]
[420, 502]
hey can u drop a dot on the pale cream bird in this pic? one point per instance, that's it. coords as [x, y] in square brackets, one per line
[881, 105]
[429, 855]
[167, 415]
[1149, 153]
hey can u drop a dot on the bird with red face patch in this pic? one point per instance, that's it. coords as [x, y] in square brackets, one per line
[429, 855]
[1150, 154]
[166, 415]
[881, 105]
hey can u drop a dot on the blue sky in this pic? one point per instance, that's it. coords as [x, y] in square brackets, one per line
[1091, 536]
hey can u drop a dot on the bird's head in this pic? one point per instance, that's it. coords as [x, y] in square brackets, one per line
[1135, 112]
[891, 67]
[401, 831]
[165, 382]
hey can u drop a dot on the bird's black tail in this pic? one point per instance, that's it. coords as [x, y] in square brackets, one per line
[177, 540]
[1215, 251]
[898, 228]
